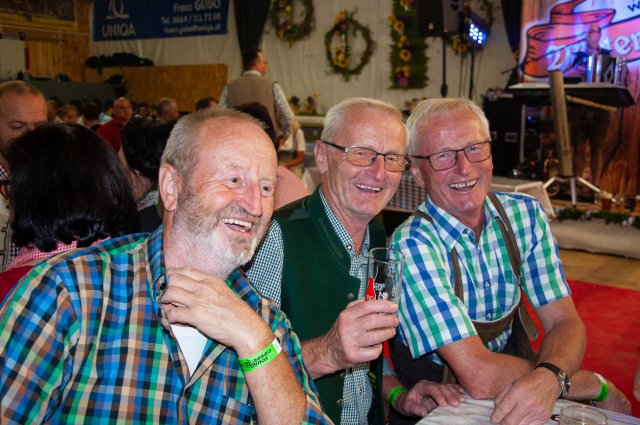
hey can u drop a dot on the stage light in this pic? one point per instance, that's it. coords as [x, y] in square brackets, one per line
[475, 29]
[476, 34]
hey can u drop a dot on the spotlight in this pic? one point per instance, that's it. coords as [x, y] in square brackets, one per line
[475, 29]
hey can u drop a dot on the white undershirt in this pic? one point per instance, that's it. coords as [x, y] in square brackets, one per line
[191, 343]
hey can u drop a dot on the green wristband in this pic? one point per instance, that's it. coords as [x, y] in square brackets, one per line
[604, 388]
[391, 398]
[260, 359]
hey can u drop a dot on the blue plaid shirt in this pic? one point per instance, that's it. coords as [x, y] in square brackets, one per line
[431, 316]
[83, 340]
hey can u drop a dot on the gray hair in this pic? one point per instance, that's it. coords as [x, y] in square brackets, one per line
[334, 120]
[430, 107]
[165, 105]
[182, 146]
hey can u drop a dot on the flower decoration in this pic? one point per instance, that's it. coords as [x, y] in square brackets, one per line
[282, 19]
[308, 107]
[407, 57]
[338, 49]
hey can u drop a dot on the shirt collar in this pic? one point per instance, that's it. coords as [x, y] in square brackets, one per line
[449, 228]
[237, 281]
[342, 233]
[251, 72]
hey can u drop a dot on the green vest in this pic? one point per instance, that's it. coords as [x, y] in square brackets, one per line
[317, 286]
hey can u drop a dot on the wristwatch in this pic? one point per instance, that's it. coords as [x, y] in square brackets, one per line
[561, 375]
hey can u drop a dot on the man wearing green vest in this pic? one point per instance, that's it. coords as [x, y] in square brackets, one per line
[313, 264]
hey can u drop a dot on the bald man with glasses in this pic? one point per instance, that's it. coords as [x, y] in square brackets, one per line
[471, 258]
[313, 264]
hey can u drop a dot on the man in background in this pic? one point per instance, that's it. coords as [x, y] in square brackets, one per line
[22, 107]
[587, 123]
[253, 86]
[206, 102]
[122, 114]
[167, 109]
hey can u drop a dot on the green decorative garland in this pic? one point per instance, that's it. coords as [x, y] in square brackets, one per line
[338, 50]
[484, 9]
[282, 20]
[407, 57]
[623, 218]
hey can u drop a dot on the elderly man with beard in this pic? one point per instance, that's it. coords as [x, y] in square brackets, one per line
[163, 328]
[311, 263]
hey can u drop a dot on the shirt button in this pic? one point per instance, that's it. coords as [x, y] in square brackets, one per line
[351, 296]
[166, 331]
[360, 391]
[487, 284]
[489, 316]
[339, 402]
[350, 247]
[343, 375]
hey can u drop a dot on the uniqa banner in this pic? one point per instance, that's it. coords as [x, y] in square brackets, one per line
[552, 44]
[137, 19]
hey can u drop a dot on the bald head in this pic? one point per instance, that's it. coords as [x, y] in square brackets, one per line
[22, 107]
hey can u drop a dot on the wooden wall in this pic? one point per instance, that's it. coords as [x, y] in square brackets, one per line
[52, 52]
[185, 83]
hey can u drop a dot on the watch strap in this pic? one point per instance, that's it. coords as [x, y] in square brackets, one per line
[561, 375]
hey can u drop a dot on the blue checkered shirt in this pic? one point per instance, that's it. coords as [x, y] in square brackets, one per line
[431, 316]
[266, 274]
[84, 340]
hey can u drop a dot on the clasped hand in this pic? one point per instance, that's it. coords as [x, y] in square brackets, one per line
[206, 302]
[358, 333]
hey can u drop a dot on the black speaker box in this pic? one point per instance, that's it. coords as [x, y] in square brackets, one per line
[505, 122]
[438, 17]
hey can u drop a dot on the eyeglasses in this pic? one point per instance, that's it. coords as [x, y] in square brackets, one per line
[4, 188]
[444, 160]
[364, 157]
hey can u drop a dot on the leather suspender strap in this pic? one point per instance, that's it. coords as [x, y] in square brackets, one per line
[516, 262]
[491, 330]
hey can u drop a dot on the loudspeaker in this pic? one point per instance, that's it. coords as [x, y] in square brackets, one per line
[438, 17]
[505, 121]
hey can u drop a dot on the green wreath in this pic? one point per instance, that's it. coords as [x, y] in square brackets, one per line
[282, 20]
[339, 55]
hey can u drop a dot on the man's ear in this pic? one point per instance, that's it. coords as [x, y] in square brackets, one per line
[417, 176]
[169, 185]
[320, 153]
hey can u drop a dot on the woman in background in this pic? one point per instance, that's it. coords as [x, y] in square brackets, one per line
[143, 143]
[67, 191]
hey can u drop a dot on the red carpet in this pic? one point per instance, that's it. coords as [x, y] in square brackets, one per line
[612, 319]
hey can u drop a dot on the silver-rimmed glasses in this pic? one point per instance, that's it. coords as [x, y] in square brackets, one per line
[364, 157]
[444, 160]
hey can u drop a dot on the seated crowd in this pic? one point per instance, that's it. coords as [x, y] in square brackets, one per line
[146, 278]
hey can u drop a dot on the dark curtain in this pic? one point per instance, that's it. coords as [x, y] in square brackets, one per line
[251, 15]
[512, 14]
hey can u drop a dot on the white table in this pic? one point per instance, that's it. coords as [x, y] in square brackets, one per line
[478, 412]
